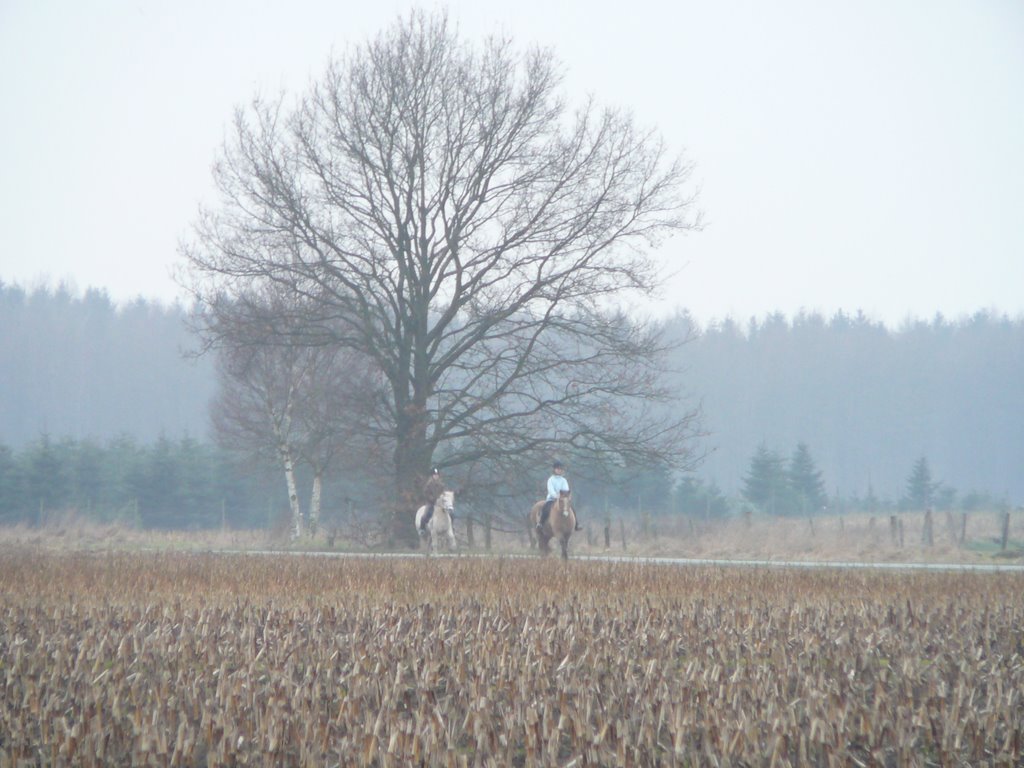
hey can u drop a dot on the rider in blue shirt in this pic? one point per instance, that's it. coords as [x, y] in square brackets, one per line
[556, 485]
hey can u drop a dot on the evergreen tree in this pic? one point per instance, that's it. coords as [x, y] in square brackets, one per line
[920, 486]
[11, 500]
[695, 499]
[199, 502]
[88, 475]
[805, 481]
[46, 481]
[124, 469]
[766, 484]
[156, 485]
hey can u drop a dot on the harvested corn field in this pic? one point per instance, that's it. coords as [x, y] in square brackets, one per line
[187, 659]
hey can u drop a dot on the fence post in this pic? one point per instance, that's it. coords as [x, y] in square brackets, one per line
[607, 533]
[487, 532]
[1006, 531]
[963, 529]
[893, 530]
[469, 531]
[622, 532]
[590, 535]
[926, 535]
[901, 532]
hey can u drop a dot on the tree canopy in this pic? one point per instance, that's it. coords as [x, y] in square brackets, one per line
[436, 207]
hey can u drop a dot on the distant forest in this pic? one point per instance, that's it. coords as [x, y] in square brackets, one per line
[868, 401]
[80, 366]
[865, 400]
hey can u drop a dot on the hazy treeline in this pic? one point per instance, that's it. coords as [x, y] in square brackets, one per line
[868, 401]
[80, 366]
[167, 484]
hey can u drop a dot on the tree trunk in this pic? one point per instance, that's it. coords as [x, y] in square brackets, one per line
[412, 465]
[314, 502]
[293, 492]
[282, 428]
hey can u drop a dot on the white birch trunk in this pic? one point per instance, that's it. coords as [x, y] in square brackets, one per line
[314, 502]
[282, 426]
[293, 491]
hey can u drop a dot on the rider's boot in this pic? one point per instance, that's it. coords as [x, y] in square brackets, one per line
[542, 516]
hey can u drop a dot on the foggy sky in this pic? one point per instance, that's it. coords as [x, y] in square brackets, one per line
[850, 155]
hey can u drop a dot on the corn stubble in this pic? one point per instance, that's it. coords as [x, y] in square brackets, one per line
[204, 660]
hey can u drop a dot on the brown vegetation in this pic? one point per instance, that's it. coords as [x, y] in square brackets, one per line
[190, 659]
[956, 537]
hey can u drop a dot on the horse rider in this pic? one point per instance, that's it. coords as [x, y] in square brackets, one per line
[557, 484]
[432, 491]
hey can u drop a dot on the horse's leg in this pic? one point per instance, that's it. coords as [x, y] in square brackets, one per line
[565, 546]
[545, 544]
[452, 544]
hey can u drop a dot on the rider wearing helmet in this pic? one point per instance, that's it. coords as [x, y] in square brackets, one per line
[432, 491]
[557, 484]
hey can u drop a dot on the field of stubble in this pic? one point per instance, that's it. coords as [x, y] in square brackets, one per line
[191, 659]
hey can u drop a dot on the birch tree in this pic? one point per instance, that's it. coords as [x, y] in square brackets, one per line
[292, 405]
[255, 409]
[439, 208]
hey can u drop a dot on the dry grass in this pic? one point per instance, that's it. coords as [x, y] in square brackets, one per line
[78, 534]
[863, 538]
[833, 538]
[196, 659]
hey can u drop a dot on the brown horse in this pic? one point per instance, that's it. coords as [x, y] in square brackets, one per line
[560, 524]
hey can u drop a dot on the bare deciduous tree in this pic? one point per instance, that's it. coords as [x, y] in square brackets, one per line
[290, 403]
[255, 406]
[436, 207]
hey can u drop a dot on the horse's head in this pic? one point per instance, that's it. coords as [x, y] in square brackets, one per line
[447, 501]
[564, 503]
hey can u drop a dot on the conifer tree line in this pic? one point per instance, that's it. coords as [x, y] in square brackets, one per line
[171, 484]
[795, 486]
[781, 487]
[102, 412]
[868, 400]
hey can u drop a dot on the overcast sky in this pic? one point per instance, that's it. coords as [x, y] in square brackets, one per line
[852, 155]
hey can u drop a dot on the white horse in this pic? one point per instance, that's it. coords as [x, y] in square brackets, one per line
[441, 521]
